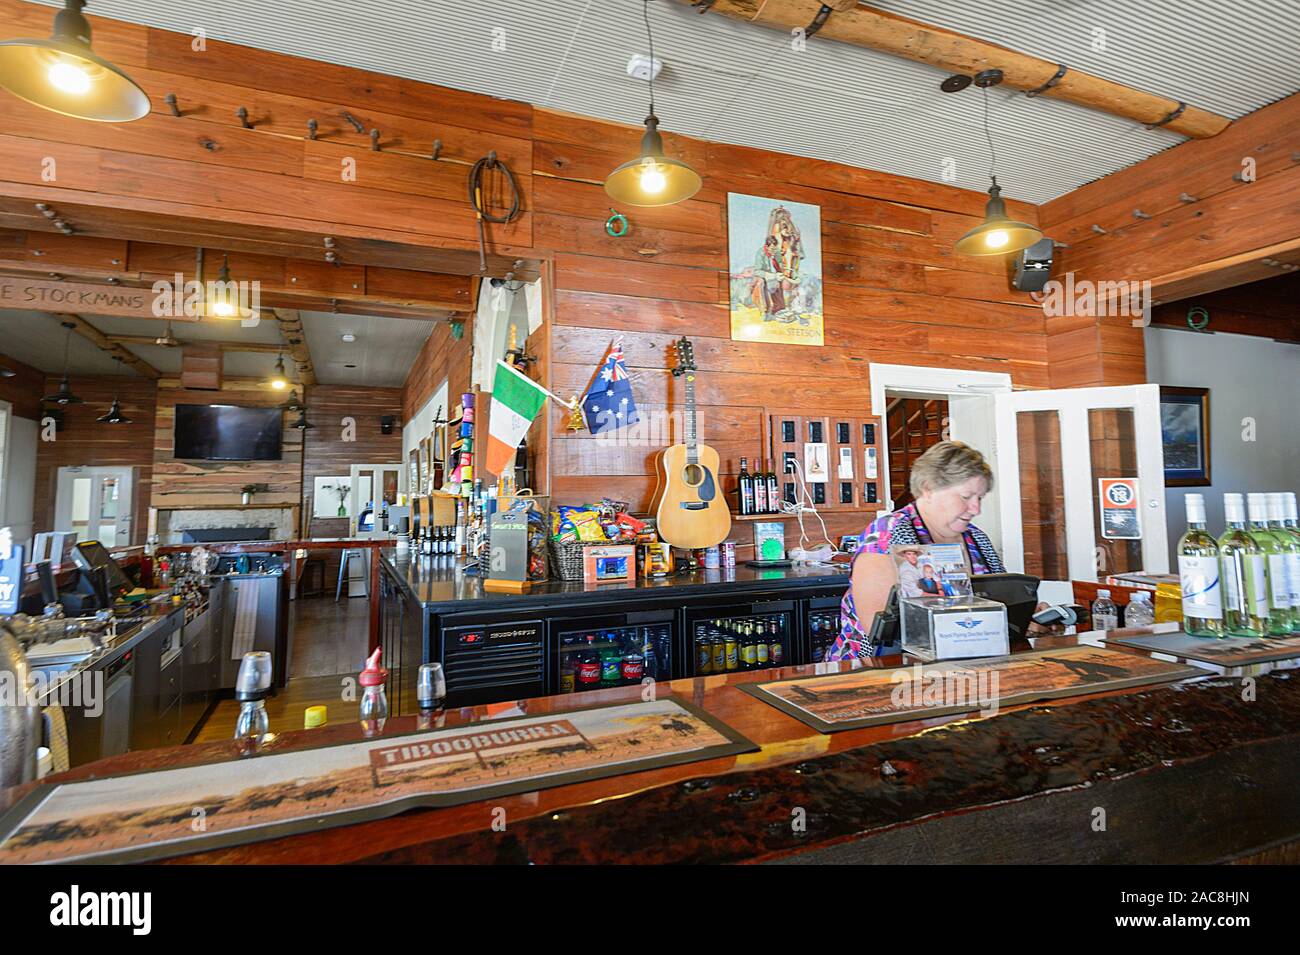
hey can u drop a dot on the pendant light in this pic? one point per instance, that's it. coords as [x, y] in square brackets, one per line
[115, 415]
[167, 339]
[293, 404]
[278, 381]
[64, 395]
[652, 179]
[302, 424]
[998, 234]
[64, 75]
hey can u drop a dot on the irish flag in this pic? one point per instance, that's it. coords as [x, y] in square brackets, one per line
[516, 399]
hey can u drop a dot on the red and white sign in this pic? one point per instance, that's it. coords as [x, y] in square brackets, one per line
[1118, 500]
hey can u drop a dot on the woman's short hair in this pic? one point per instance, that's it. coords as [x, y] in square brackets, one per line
[948, 463]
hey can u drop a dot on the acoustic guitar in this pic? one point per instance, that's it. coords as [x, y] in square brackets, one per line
[691, 511]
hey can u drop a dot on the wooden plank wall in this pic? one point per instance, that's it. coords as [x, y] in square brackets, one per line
[326, 453]
[895, 292]
[218, 483]
[23, 391]
[82, 441]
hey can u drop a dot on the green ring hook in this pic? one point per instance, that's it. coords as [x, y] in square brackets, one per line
[1197, 318]
[616, 225]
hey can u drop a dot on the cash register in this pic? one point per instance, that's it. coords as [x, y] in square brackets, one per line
[101, 584]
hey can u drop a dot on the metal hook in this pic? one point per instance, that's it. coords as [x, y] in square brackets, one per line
[374, 140]
[170, 100]
[242, 113]
[311, 129]
[437, 149]
[354, 122]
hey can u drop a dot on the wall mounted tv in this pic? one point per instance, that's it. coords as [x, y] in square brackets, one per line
[227, 433]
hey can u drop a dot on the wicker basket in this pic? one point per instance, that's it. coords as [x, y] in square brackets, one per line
[566, 558]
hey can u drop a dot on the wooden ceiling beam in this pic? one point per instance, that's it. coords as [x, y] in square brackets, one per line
[296, 343]
[102, 341]
[861, 25]
[263, 347]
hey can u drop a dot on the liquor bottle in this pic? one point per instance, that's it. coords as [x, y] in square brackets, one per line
[1288, 560]
[1198, 572]
[745, 489]
[1290, 526]
[1241, 567]
[1279, 595]
[760, 489]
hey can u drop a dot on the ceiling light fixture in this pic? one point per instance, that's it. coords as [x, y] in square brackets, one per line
[302, 424]
[293, 404]
[64, 75]
[652, 179]
[349, 337]
[7, 372]
[114, 415]
[167, 339]
[998, 233]
[278, 381]
[64, 395]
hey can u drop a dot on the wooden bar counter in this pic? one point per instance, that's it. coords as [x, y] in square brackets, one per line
[1181, 772]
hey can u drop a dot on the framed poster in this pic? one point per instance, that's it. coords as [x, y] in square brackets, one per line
[413, 473]
[426, 470]
[1185, 433]
[776, 270]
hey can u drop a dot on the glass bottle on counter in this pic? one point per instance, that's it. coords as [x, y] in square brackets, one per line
[1287, 503]
[773, 492]
[1275, 582]
[1281, 558]
[252, 686]
[1241, 565]
[1199, 574]
[374, 698]
[760, 488]
[744, 490]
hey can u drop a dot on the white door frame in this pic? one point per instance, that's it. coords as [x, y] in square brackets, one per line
[358, 504]
[125, 477]
[1072, 406]
[970, 419]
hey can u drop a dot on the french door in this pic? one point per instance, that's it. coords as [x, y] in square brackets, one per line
[373, 486]
[1080, 482]
[95, 503]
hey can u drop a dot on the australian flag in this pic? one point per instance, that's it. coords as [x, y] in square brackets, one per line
[608, 404]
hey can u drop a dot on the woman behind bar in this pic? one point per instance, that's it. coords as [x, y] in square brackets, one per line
[949, 481]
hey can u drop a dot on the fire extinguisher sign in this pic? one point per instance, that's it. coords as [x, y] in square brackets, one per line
[1120, 519]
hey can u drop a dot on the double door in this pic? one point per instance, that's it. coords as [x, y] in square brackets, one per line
[95, 504]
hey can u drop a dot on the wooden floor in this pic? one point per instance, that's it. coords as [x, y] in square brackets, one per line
[328, 644]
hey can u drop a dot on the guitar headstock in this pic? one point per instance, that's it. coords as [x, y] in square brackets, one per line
[685, 357]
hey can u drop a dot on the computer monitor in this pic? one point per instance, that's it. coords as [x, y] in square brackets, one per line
[1020, 594]
[91, 555]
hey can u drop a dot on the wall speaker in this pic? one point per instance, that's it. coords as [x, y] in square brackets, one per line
[1034, 266]
[386, 423]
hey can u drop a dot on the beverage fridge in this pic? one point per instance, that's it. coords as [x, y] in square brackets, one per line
[822, 625]
[609, 650]
[739, 637]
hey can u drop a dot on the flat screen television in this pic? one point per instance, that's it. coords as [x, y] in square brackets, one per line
[227, 433]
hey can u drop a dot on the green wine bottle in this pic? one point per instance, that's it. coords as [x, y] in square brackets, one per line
[1198, 572]
[1241, 565]
[1275, 576]
[1289, 540]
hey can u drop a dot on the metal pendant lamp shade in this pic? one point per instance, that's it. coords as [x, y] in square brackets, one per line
[302, 424]
[293, 404]
[652, 179]
[114, 415]
[64, 395]
[65, 75]
[998, 234]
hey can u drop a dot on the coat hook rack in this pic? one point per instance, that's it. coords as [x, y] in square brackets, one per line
[1184, 197]
[374, 140]
[1098, 229]
[311, 129]
[1139, 214]
[354, 122]
[170, 100]
[242, 113]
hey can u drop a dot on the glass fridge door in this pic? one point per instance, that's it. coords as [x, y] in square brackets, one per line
[733, 643]
[619, 654]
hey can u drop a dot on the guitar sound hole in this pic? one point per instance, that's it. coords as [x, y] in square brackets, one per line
[693, 475]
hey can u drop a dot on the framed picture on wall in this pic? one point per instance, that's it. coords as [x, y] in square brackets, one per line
[413, 473]
[1185, 431]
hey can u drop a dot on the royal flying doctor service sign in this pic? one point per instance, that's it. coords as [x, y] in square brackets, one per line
[1118, 499]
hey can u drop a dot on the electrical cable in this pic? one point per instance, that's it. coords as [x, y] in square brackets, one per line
[797, 509]
[490, 162]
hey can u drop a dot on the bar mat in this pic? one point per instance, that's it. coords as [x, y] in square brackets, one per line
[871, 697]
[152, 815]
[1225, 652]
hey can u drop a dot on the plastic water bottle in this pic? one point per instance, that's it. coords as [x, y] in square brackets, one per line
[1139, 612]
[1105, 615]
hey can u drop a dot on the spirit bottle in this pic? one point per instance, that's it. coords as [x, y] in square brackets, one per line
[745, 489]
[1241, 566]
[1198, 571]
[1279, 594]
[773, 493]
[760, 490]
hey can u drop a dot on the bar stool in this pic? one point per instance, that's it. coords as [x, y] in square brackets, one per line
[345, 558]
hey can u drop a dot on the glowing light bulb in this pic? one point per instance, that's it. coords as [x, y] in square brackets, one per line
[279, 384]
[652, 180]
[223, 309]
[69, 78]
[997, 239]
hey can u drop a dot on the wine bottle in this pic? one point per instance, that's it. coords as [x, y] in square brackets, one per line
[1290, 525]
[1288, 559]
[1241, 566]
[745, 489]
[1198, 572]
[773, 492]
[760, 489]
[1279, 596]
